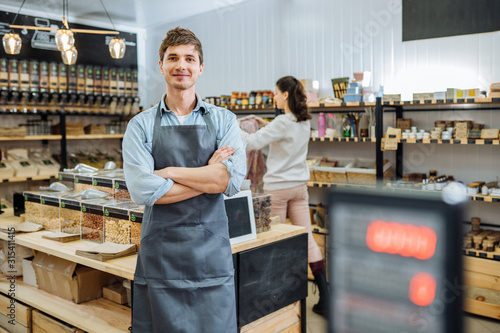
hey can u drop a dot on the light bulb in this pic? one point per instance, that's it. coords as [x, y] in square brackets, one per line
[69, 56]
[117, 48]
[12, 43]
[64, 39]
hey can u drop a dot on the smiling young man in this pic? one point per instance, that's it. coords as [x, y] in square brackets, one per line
[179, 157]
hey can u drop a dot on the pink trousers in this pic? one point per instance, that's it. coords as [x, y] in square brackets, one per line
[294, 202]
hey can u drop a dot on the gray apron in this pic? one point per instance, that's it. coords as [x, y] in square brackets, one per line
[184, 279]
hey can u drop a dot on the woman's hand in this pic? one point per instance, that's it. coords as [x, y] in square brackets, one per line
[260, 121]
[221, 154]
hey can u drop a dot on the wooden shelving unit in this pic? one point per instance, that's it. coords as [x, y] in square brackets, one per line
[94, 136]
[31, 138]
[342, 139]
[95, 316]
[479, 142]
[26, 179]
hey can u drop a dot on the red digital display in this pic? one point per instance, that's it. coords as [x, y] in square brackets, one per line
[406, 240]
[422, 289]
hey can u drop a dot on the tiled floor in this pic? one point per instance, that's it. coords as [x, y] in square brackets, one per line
[318, 324]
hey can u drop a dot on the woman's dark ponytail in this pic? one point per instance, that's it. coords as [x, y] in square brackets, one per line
[297, 99]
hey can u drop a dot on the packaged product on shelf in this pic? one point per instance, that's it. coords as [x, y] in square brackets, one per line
[89, 80]
[121, 190]
[44, 77]
[23, 166]
[93, 219]
[117, 225]
[80, 77]
[6, 170]
[103, 183]
[46, 165]
[97, 80]
[50, 212]
[136, 215]
[72, 79]
[24, 75]
[13, 67]
[53, 78]
[113, 82]
[33, 207]
[4, 75]
[262, 212]
[135, 83]
[105, 81]
[63, 78]
[70, 214]
[82, 182]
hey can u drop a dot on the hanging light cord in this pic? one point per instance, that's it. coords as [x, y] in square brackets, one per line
[109, 17]
[15, 17]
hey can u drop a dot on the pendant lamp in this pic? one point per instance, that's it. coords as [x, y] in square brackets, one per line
[117, 48]
[12, 43]
[69, 56]
[64, 39]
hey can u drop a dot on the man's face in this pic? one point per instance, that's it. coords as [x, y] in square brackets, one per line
[181, 66]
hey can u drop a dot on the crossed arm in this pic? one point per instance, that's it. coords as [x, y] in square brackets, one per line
[191, 182]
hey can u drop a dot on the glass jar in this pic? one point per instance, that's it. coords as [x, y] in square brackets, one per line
[32, 207]
[50, 212]
[121, 190]
[136, 215]
[93, 220]
[117, 223]
[104, 184]
[70, 215]
[83, 182]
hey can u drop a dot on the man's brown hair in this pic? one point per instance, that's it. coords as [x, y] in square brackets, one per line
[181, 36]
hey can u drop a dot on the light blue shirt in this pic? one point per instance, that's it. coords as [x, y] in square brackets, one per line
[138, 163]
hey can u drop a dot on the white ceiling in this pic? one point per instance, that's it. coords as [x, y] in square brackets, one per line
[137, 14]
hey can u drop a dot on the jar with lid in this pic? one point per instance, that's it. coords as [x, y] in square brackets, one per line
[467, 242]
[244, 98]
[136, 216]
[117, 223]
[251, 99]
[270, 96]
[258, 98]
[488, 245]
[478, 242]
[265, 98]
[234, 98]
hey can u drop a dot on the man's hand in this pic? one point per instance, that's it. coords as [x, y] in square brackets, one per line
[221, 154]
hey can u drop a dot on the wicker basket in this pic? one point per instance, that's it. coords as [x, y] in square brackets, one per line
[363, 172]
[329, 174]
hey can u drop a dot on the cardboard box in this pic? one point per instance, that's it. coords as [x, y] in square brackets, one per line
[115, 293]
[29, 276]
[403, 124]
[69, 280]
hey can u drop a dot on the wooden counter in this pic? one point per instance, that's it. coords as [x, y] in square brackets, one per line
[124, 267]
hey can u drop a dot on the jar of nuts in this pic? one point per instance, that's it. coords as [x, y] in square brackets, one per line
[50, 212]
[104, 184]
[121, 190]
[136, 216]
[70, 214]
[117, 223]
[33, 207]
[83, 182]
[92, 220]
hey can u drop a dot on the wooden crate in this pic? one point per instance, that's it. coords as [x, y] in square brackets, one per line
[45, 324]
[22, 312]
[285, 320]
[482, 287]
[12, 328]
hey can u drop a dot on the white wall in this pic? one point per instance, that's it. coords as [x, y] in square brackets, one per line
[250, 45]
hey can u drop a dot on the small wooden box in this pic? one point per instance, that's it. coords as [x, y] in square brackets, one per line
[115, 293]
[22, 312]
[404, 124]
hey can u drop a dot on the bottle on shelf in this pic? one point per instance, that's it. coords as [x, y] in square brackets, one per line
[24, 76]
[89, 80]
[105, 81]
[13, 67]
[128, 83]
[53, 78]
[321, 125]
[63, 78]
[72, 79]
[34, 73]
[121, 82]
[44, 77]
[113, 82]
[80, 85]
[97, 80]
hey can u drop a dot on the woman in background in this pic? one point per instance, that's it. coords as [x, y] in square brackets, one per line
[287, 173]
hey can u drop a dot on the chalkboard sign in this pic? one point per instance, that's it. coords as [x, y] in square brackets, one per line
[92, 48]
[423, 19]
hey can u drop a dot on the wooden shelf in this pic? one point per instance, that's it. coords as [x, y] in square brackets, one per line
[94, 136]
[342, 139]
[495, 255]
[95, 316]
[479, 142]
[26, 179]
[444, 101]
[30, 138]
[319, 184]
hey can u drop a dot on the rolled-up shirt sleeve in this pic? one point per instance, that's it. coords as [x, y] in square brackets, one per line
[138, 164]
[237, 164]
